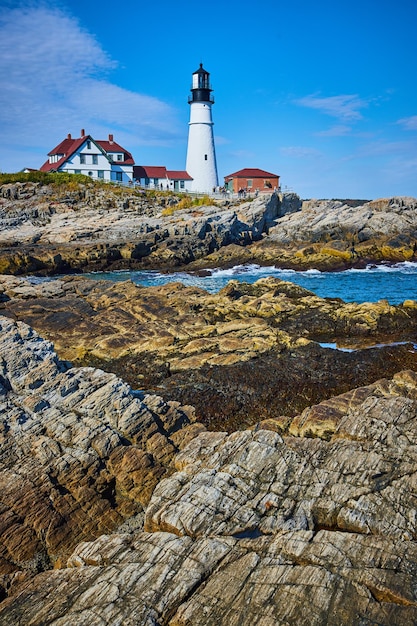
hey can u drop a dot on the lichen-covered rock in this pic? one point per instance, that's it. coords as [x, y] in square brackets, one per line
[361, 479]
[88, 228]
[250, 350]
[80, 451]
[258, 528]
[114, 227]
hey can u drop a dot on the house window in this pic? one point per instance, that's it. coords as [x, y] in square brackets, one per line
[119, 176]
[249, 183]
[88, 145]
[110, 157]
[182, 184]
[100, 173]
[120, 157]
[95, 159]
[77, 171]
[267, 183]
[82, 158]
[90, 173]
[155, 182]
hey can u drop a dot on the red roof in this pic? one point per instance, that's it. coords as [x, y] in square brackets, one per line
[251, 173]
[68, 146]
[150, 171]
[159, 171]
[179, 175]
[111, 146]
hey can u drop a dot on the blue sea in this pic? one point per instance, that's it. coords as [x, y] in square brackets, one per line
[394, 283]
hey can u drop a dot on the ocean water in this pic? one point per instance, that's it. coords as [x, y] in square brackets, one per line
[394, 283]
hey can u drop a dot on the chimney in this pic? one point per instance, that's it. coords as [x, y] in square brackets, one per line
[111, 138]
[69, 136]
[82, 132]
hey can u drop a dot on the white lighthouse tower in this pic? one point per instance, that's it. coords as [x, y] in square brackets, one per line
[201, 155]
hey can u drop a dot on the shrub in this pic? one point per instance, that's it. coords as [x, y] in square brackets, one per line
[44, 178]
[187, 202]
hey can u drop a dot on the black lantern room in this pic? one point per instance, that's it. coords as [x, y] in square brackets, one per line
[201, 88]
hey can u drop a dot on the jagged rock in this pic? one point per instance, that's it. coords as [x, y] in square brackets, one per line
[258, 528]
[92, 228]
[79, 447]
[250, 349]
[332, 235]
[115, 227]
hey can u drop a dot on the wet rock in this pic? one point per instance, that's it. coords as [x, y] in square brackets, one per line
[251, 351]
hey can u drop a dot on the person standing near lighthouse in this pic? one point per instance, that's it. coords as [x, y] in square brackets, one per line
[201, 154]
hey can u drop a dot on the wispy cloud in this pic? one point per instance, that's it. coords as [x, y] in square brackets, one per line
[54, 79]
[343, 107]
[340, 130]
[409, 123]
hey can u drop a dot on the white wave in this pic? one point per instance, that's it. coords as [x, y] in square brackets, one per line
[405, 267]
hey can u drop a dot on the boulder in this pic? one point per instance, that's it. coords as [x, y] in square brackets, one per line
[80, 451]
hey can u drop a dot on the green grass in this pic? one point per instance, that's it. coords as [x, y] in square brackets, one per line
[44, 178]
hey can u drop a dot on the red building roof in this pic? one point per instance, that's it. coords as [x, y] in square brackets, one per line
[179, 175]
[69, 146]
[159, 171]
[149, 171]
[251, 173]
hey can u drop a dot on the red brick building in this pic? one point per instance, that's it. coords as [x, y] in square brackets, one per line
[252, 179]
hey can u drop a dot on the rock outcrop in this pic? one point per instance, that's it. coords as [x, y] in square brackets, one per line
[89, 229]
[81, 228]
[242, 528]
[333, 235]
[250, 350]
[80, 451]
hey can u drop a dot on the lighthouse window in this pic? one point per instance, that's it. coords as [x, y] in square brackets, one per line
[205, 157]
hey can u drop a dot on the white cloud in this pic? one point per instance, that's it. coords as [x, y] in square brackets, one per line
[409, 123]
[343, 107]
[340, 130]
[54, 79]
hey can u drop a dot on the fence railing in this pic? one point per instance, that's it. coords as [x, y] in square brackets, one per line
[217, 195]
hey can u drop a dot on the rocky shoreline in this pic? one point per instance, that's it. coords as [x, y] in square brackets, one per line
[128, 511]
[196, 348]
[50, 231]
[170, 457]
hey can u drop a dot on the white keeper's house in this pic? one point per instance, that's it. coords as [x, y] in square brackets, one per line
[100, 159]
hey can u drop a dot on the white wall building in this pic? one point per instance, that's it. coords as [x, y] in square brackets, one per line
[158, 177]
[201, 154]
[99, 159]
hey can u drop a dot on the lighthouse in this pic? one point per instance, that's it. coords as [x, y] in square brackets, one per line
[201, 155]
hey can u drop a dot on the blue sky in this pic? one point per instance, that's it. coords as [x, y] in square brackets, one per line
[322, 93]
